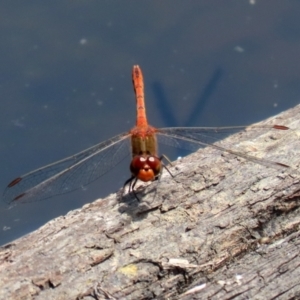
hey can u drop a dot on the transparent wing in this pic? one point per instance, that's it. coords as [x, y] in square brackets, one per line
[193, 138]
[70, 173]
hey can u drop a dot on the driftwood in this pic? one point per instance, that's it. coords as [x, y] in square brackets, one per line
[225, 228]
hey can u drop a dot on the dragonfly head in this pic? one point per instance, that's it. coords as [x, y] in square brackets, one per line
[145, 167]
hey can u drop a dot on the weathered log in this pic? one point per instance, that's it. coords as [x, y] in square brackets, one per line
[224, 228]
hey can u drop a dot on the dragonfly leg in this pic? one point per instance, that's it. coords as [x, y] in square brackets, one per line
[128, 181]
[167, 159]
[131, 182]
[131, 188]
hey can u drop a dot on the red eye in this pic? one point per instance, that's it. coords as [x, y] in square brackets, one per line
[137, 163]
[145, 168]
[154, 164]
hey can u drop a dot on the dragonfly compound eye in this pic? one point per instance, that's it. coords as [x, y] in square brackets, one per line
[145, 168]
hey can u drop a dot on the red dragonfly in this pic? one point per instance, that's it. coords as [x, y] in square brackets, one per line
[83, 168]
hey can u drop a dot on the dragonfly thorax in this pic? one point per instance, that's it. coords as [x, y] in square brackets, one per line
[145, 167]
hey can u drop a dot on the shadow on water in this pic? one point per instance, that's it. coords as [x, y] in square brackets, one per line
[164, 106]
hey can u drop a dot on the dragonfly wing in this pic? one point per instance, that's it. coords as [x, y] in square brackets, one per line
[70, 173]
[208, 135]
[193, 138]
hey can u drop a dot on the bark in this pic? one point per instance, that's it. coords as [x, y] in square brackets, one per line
[223, 228]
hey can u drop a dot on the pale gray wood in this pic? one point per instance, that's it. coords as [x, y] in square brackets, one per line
[225, 228]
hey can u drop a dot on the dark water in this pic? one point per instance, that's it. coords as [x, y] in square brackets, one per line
[65, 79]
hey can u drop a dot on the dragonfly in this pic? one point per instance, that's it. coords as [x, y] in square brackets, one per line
[146, 165]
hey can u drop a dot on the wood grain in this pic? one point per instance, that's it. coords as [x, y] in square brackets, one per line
[224, 228]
